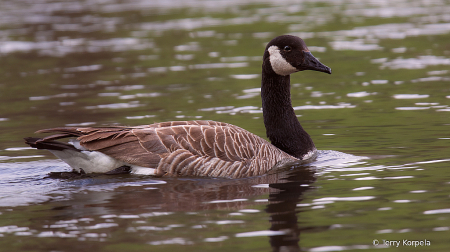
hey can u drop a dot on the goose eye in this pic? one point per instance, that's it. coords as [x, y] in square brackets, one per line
[287, 48]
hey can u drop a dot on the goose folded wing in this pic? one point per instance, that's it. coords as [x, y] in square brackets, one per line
[146, 145]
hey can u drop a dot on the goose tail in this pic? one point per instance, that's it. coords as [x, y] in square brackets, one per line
[44, 144]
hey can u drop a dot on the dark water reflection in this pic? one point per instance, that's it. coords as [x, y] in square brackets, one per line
[283, 209]
[190, 195]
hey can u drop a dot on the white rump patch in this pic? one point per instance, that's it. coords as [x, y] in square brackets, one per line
[95, 161]
[89, 161]
[279, 65]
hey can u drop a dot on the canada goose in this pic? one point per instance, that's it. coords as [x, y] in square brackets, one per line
[200, 148]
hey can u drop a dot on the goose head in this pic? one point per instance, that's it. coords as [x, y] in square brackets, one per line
[287, 54]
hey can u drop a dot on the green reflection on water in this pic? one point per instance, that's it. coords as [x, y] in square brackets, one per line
[166, 68]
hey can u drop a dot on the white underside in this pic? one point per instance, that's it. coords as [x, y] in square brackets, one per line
[95, 162]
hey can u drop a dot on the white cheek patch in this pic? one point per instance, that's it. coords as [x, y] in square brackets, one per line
[279, 65]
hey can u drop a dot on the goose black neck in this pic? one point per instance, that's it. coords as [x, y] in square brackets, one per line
[282, 126]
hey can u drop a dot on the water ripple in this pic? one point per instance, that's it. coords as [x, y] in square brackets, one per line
[414, 63]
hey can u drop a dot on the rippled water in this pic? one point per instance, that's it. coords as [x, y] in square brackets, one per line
[381, 121]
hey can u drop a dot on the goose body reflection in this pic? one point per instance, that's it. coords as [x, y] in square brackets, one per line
[200, 148]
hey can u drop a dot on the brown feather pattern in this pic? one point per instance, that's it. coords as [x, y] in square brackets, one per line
[181, 148]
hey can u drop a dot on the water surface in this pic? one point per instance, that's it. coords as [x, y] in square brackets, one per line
[381, 121]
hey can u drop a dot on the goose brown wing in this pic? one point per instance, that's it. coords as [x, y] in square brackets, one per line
[147, 145]
[212, 139]
[201, 140]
